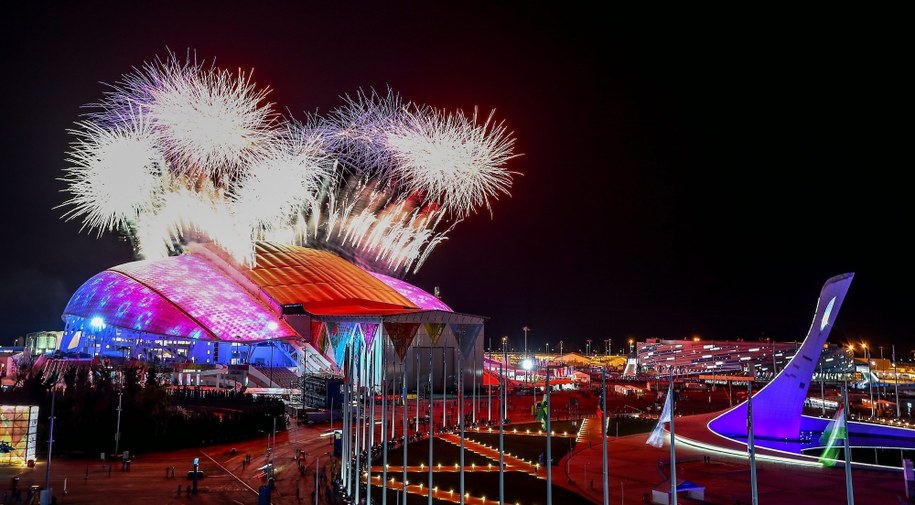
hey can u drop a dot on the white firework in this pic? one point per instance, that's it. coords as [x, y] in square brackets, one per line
[453, 160]
[358, 131]
[209, 121]
[115, 174]
[284, 182]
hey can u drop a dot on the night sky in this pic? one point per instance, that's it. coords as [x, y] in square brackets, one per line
[681, 176]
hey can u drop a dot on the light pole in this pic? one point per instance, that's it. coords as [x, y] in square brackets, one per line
[870, 381]
[896, 383]
[851, 350]
[881, 364]
[117, 434]
[504, 389]
[588, 351]
[47, 478]
[525, 329]
[528, 365]
[631, 342]
[560, 347]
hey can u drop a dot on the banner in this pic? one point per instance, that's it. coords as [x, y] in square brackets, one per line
[466, 336]
[341, 335]
[401, 335]
[368, 333]
[434, 330]
[317, 334]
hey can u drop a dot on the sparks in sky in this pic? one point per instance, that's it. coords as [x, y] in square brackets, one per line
[177, 153]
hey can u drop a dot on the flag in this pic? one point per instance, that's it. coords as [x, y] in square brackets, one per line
[835, 431]
[543, 412]
[657, 434]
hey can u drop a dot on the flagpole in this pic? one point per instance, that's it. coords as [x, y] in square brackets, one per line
[751, 444]
[384, 426]
[460, 395]
[346, 466]
[358, 426]
[603, 432]
[431, 420]
[673, 443]
[849, 492]
[489, 385]
[549, 443]
[417, 393]
[444, 388]
[370, 382]
[406, 430]
[501, 438]
[473, 386]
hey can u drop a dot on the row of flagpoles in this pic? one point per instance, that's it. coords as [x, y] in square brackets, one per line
[364, 365]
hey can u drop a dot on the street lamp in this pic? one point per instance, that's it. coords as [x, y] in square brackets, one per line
[896, 383]
[528, 364]
[884, 382]
[97, 324]
[588, 352]
[525, 329]
[870, 379]
[630, 345]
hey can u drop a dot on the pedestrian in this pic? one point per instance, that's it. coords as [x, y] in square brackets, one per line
[187, 489]
[179, 490]
[173, 472]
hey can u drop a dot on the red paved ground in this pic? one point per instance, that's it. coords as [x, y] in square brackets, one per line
[633, 468]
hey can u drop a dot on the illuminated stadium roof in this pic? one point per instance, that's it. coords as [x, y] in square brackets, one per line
[321, 282]
[202, 295]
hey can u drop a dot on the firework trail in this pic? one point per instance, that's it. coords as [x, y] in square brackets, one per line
[177, 153]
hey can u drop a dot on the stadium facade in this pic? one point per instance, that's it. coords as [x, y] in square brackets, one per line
[298, 308]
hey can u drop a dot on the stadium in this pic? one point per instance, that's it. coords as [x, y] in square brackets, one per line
[298, 309]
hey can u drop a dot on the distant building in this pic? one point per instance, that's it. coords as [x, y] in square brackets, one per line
[685, 357]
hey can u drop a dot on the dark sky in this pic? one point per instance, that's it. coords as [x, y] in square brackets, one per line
[699, 174]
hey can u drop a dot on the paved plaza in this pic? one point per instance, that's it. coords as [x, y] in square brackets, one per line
[635, 468]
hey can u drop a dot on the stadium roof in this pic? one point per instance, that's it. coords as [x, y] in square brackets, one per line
[202, 294]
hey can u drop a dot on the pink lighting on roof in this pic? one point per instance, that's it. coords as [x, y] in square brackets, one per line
[182, 296]
[416, 295]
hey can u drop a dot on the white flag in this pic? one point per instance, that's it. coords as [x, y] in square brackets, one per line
[657, 434]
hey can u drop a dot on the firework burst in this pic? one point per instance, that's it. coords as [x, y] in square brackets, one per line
[453, 160]
[116, 173]
[176, 153]
[209, 121]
